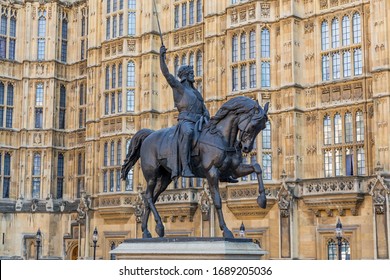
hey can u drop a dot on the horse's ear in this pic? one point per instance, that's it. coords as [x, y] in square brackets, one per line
[266, 108]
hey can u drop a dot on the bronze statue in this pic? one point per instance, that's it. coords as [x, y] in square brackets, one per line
[217, 153]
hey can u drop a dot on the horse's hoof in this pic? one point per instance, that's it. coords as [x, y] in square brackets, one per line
[262, 201]
[160, 230]
[227, 233]
[146, 234]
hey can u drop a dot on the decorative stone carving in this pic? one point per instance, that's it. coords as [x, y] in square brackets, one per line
[284, 198]
[309, 26]
[379, 191]
[265, 10]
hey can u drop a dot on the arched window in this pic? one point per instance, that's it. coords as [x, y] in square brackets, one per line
[3, 34]
[60, 176]
[333, 250]
[252, 44]
[356, 27]
[359, 126]
[39, 106]
[346, 31]
[243, 77]
[130, 94]
[132, 19]
[335, 33]
[199, 64]
[105, 181]
[327, 130]
[243, 46]
[324, 35]
[12, 39]
[64, 40]
[234, 78]
[348, 127]
[252, 75]
[337, 129]
[130, 100]
[265, 43]
[199, 12]
[234, 48]
[41, 35]
[129, 180]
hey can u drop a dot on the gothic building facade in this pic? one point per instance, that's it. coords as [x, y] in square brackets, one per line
[79, 78]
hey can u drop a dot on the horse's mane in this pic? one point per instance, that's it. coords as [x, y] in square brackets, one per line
[237, 105]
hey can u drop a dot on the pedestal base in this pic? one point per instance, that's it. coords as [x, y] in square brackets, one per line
[188, 249]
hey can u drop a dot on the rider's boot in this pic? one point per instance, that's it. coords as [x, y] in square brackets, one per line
[185, 159]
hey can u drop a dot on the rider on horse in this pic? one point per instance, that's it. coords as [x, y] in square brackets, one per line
[190, 104]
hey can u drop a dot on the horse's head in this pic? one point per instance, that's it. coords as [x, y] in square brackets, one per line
[250, 125]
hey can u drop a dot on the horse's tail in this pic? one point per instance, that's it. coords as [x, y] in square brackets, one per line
[134, 151]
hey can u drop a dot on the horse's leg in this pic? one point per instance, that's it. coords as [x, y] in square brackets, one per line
[246, 169]
[213, 178]
[149, 195]
[145, 217]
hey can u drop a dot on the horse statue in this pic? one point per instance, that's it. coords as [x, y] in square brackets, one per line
[217, 153]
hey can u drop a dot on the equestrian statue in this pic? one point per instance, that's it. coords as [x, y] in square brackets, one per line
[198, 146]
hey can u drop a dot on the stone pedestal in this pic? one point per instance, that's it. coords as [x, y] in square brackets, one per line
[189, 249]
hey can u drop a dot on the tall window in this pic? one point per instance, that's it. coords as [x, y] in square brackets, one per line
[199, 64]
[338, 162]
[39, 106]
[82, 106]
[325, 68]
[361, 162]
[243, 76]
[36, 176]
[64, 40]
[234, 48]
[336, 66]
[112, 153]
[347, 63]
[348, 128]
[265, 74]
[252, 44]
[191, 12]
[130, 100]
[132, 17]
[199, 13]
[337, 129]
[176, 17]
[358, 62]
[60, 176]
[84, 34]
[265, 43]
[8, 34]
[327, 131]
[41, 35]
[243, 46]
[356, 27]
[252, 75]
[335, 33]
[359, 126]
[235, 78]
[113, 77]
[6, 105]
[266, 136]
[328, 161]
[267, 166]
[105, 155]
[5, 173]
[346, 31]
[184, 14]
[61, 115]
[324, 35]
[107, 78]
